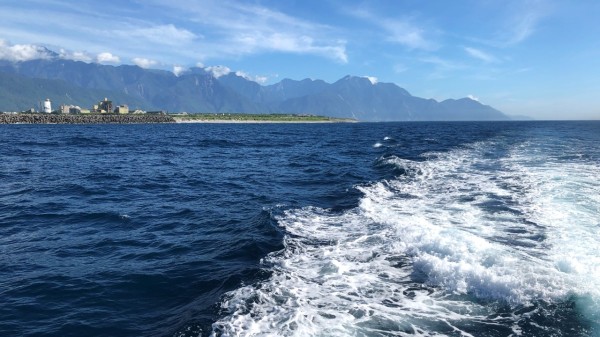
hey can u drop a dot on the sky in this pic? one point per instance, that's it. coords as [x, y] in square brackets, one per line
[539, 58]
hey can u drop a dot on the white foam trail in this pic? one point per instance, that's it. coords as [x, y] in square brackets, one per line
[431, 250]
[565, 199]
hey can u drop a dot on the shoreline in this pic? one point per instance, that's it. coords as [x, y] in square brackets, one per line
[250, 121]
[83, 119]
[153, 119]
[256, 118]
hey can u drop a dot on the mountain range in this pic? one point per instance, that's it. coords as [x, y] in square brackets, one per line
[23, 84]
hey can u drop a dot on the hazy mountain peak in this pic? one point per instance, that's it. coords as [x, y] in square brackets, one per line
[359, 80]
[218, 89]
[372, 79]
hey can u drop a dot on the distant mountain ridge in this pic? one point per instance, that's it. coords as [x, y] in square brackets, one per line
[22, 84]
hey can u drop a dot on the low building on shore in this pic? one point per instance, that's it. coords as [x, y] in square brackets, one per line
[122, 109]
[69, 109]
[64, 108]
[103, 107]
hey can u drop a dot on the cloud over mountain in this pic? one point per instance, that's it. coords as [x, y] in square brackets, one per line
[107, 57]
[23, 52]
[144, 62]
[219, 89]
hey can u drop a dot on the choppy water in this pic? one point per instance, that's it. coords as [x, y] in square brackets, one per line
[391, 229]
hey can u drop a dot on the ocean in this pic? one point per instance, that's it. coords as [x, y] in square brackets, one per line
[350, 229]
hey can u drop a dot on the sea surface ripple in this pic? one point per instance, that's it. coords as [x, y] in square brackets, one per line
[366, 229]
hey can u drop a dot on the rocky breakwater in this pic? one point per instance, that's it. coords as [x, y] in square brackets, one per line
[83, 119]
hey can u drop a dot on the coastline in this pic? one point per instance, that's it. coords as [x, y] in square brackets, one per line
[257, 118]
[250, 121]
[83, 119]
[157, 119]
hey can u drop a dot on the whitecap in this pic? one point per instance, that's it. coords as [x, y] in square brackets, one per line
[428, 251]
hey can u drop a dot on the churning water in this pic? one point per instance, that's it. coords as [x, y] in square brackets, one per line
[391, 229]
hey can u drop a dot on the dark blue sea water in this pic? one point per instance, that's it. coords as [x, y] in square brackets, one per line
[383, 229]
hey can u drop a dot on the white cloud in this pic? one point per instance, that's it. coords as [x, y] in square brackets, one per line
[442, 67]
[242, 74]
[238, 28]
[400, 68]
[473, 98]
[186, 30]
[441, 63]
[372, 79]
[75, 56]
[258, 79]
[518, 20]
[403, 31]
[160, 35]
[107, 58]
[218, 71]
[481, 55]
[528, 13]
[407, 34]
[144, 62]
[23, 52]
[178, 70]
[281, 42]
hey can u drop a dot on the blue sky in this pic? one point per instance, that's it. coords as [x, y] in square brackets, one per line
[534, 57]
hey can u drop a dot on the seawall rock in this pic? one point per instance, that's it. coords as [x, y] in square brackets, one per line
[83, 119]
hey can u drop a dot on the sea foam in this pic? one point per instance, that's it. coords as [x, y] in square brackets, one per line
[438, 250]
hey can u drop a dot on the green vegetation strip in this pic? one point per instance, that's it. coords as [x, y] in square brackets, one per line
[258, 117]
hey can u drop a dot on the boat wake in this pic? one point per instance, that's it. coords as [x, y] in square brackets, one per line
[491, 239]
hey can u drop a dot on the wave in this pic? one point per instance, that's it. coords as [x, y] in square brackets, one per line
[459, 243]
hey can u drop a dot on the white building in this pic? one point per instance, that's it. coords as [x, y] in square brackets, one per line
[47, 106]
